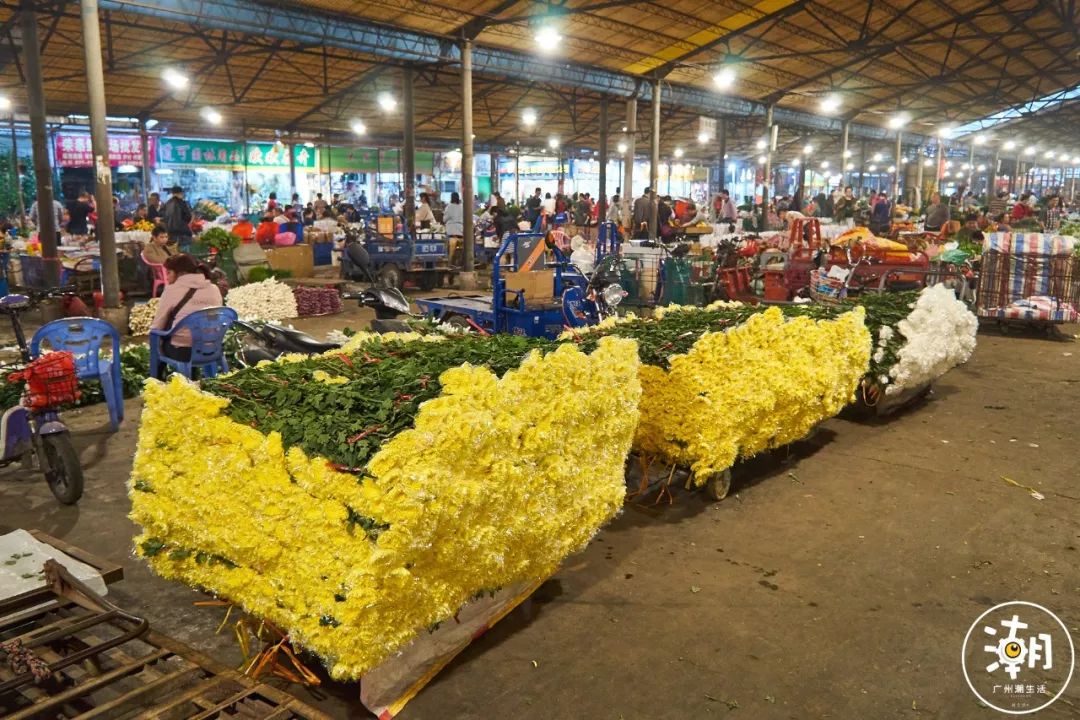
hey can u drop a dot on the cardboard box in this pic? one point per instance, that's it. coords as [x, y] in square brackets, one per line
[539, 285]
[297, 259]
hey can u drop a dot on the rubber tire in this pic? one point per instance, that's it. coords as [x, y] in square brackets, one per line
[460, 321]
[428, 281]
[390, 276]
[718, 485]
[67, 481]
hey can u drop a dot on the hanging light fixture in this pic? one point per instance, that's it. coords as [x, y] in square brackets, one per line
[528, 116]
[724, 78]
[830, 103]
[548, 39]
[175, 79]
[358, 126]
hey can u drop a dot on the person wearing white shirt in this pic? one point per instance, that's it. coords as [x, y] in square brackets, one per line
[549, 204]
[453, 219]
[424, 215]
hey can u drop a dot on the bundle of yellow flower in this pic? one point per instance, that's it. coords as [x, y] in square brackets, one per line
[478, 494]
[760, 385]
[730, 381]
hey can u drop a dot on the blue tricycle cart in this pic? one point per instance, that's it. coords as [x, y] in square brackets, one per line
[398, 256]
[519, 302]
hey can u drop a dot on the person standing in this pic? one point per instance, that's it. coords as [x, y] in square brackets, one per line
[532, 206]
[424, 215]
[1053, 214]
[937, 214]
[79, 216]
[178, 215]
[319, 206]
[153, 208]
[58, 213]
[642, 206]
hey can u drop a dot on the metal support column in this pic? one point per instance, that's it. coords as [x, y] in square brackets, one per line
[628, 165]
[602, 200]
[292, 171]
[517, 176]
[898, 166]
[15, 178]
[409, 150]
[467, 160]
[47, 230]
[991, 181]
[654, 158]
[721, 130]
[971, 167]
[144, 151]
[99, 140]
[844, 134]
[771, 133]
[940, 184]
[920, 162]
[493, 170]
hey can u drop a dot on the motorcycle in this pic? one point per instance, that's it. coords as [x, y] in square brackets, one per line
[36, 432]
[265, 341]
[598, 299]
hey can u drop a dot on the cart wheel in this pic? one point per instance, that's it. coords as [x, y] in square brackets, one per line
[390, 276]
[66, 476]
[458, 321]
[718, 485]
[428, 281]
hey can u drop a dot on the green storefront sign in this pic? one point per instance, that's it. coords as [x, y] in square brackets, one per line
[370, 160]
[225, 155]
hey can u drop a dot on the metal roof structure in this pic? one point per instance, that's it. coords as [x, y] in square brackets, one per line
[308, 69]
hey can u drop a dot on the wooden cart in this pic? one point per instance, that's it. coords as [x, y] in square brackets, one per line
[95, 660]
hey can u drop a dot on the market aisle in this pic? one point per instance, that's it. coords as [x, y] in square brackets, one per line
[837, 585]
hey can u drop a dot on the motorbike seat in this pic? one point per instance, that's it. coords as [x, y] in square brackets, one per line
[302, 342]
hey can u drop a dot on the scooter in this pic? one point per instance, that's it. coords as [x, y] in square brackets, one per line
[37, 433]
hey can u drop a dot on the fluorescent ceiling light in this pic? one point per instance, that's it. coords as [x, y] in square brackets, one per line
[386, 101]
[553, 142]
[175, 79]
[528, 116]
[678, 152]
[548, 38]
[358, 127]
[724, 78]
[830, 103]
[211, 116]
[899, 120]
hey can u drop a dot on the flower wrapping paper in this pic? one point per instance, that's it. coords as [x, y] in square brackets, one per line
[496, 483]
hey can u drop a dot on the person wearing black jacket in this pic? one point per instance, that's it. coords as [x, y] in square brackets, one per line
[532, 207]
[177, 215]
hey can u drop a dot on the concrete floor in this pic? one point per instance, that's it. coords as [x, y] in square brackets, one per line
[837, 581]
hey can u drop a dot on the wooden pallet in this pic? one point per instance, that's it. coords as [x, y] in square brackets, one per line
[107, 663]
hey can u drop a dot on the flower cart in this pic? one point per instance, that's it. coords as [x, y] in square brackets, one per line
[1029, 279]
[360, 499]
[730, 381]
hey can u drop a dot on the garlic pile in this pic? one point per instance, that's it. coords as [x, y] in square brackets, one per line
[269, 300]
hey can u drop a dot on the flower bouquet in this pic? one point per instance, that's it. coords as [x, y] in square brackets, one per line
[358, 498]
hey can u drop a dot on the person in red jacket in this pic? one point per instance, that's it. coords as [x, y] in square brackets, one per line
[267, 230]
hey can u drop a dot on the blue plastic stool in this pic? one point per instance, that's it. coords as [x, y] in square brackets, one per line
[84, 337]
[207, 328]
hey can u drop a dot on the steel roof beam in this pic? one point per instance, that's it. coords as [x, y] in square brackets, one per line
[398, 45]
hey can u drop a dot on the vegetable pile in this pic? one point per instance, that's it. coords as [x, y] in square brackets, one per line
[269, 300]
[142, 317]
[316, 301]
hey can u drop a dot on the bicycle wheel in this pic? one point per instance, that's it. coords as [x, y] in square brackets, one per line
[65, 477]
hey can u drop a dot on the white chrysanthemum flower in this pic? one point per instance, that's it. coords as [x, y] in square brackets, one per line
[879, 355]
[939, 333]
